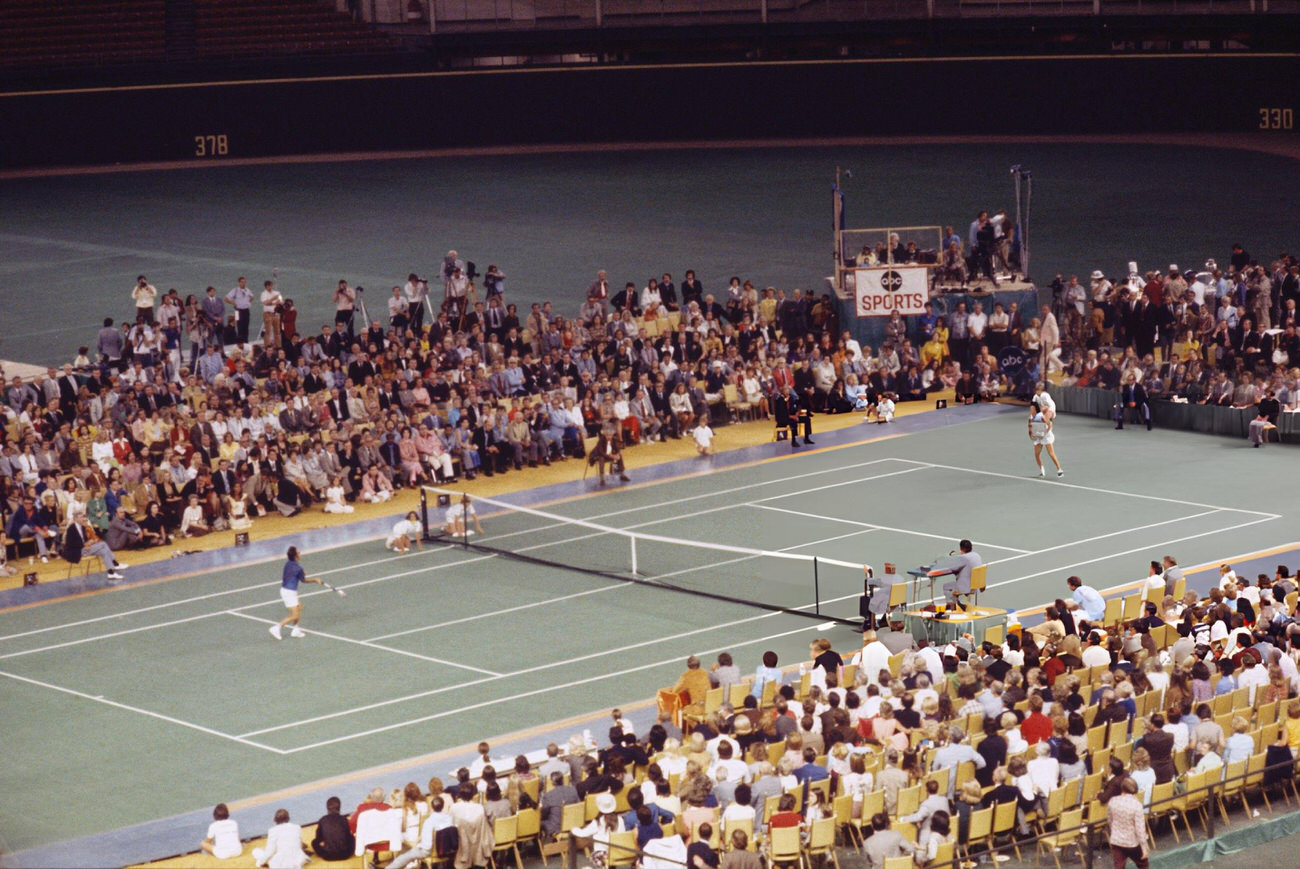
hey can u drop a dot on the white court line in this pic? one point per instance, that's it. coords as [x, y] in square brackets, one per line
[158, 606]
[1036, 481]
[604, 588]
[535, 669]
[120, 633]
[874, 527]
[236, 610]
[1147, 547]
[495, 613]
[652, 506]
[551, 666]
[241, 740]
[646, 524]
[367, 644]
[380, 704]
[539, 691]
[1104, 536]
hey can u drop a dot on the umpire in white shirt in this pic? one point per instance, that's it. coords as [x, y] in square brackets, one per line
[967, 559]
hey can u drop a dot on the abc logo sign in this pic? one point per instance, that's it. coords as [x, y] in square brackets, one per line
[880, 292]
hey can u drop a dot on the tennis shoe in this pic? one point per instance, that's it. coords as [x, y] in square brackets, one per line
[120, 566]
[1041, 473]
[297, 634]
[1060, 472]
[275, 632]
[114, 576]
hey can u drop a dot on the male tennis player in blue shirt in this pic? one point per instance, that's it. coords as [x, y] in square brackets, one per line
[290, 578]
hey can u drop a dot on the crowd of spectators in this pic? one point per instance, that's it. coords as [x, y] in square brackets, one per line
[1012, 723]
[176, 424]
[1221, 335]
[179, 422]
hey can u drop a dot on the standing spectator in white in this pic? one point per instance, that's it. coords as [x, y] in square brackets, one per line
[272, 301]
[703, 439]
[241, 299]
[283, 845]
[222, 840]
[1049, 338]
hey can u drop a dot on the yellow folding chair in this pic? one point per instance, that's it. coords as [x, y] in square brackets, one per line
[504, 831]
[784, 846]
[1068, 832]
[821, 842]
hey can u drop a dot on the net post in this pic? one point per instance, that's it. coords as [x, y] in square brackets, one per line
[634, 564]
[424, 515]
[464, 520]
[817, 589]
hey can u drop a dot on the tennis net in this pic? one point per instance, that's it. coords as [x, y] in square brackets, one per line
[785, 581]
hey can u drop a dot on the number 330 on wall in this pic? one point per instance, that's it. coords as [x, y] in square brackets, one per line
[1276, 119]
[211, 146]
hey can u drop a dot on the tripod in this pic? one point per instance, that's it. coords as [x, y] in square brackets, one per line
[361, 309]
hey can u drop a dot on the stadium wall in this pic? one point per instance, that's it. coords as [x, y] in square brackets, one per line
[611, 104]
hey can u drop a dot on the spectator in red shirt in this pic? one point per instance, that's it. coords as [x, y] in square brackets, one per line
[785, 815]
[1036, 727]
[374, 800]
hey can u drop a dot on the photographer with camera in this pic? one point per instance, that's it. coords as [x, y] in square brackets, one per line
[345, 301]
[416, 293]
[144, 294]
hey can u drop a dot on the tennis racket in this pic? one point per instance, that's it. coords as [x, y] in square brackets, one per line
[340, 592]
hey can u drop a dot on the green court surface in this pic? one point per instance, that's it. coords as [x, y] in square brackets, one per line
[550, 221]
[160, 699]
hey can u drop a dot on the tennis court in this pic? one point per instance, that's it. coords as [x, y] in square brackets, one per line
[446, 646]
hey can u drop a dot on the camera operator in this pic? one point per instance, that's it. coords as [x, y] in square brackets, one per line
[416, 293]
[345, 301]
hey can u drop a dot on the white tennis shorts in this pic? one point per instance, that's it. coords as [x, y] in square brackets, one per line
[289, 596]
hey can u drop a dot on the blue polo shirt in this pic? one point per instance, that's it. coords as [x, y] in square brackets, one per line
[293, 574]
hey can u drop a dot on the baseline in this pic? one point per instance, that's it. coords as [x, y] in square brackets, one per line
[1037, 481]
[136, 709]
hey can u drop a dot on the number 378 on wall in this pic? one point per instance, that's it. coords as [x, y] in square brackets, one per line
[1276, 119]
[211, 146]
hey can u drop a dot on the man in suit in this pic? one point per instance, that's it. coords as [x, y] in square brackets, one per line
[1133, 400]
[884, 843]
[223, 481]
[201, 428]
[122, 531]
[557, 796]
[338, 406]
[609, 450]
[81, 540]
[68, 389]
[789, 414]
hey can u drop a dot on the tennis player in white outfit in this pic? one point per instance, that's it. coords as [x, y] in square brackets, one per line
[1041, 435]
[406, 532]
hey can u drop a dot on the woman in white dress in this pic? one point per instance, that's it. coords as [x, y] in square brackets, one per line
[1041, 435]
[334, 502]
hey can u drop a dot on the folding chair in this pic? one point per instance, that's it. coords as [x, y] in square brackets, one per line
[528, 828]
[622, 849]
[783, 846]
[504, 831]
[1069, 832]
